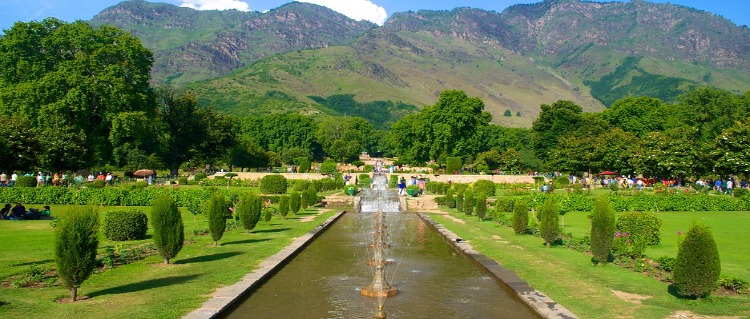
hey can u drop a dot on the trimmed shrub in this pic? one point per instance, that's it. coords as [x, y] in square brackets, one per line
[283, 206]
[216, 209]
[169, 232]
[549, 221]
[299, 184]
[504, 204]
[453, 165]
[268, 213]
[450, 200]
[273, 184]
[486, 187]
[740, 192]
[312, 196]
[76, 241]
[303, 200]
[304, 165]
[182, 180]
[469, 202]
[97, 183]
[561, 182]
[602, 229]
[200, 176]
[295, 202]
[140, 184]
[481, 206]
[697, 266]
[643, 227]
[249, 209]
[328, 167]
[393, 181]
[25, 181]
[122, 225]
[460, 200]
[520, 217]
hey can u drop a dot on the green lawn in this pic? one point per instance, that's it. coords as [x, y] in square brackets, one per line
[569, 277]
[144, 289]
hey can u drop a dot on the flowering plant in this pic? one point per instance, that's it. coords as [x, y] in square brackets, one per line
[627, 245]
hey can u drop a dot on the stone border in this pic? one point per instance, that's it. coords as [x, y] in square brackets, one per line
[536, 300]
[224, 298]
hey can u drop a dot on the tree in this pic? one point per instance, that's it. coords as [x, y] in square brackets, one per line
[249, 210]
[19, 144]
[481, 205]
[697, 267]
[508, 113]
[216, 209]
[283, 206]
[549, 223]
[169, 231]
[74, 78]
[490, 159]
[312, 196]
[469, 202]
[344, 138]
[281, 132]
[520, 217]
[731, 149]
[76, 241]
[638, 115]
[674, 153]
[554, 122]
[602, 229]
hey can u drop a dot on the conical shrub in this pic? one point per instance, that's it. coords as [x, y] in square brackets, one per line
[697, 266]
[169, 232]
[249, 209]
[602, 229]
[549, 223]
[216, 209]
[76, 241]
[520, 217]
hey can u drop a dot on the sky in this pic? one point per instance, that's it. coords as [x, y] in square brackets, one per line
[377, 11]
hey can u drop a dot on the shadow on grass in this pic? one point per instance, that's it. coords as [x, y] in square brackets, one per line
[201, 259]
[246, 241]
[277, 230]
[144, 285]
[33, 263]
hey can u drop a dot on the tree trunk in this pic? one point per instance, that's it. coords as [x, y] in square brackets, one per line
[166, 261]
[216, 243]
[74, 293]
[174, 171]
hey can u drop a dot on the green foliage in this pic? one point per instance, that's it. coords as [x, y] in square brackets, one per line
[97, 183]
[697, 267]
[602, 230]
[561, 182]
[76, 241]
[268, 213]
[740, 192]
[379, 113]
[328, 166]
[453, 165]
[273, 184]
[249, 211]
[549, 221]
[393, 181]
[200, 176]
[469, 202]
[481, 205]
[739, 285]
[460, 199]
[486, 187]
[643, 226]
[122, 225]
[412, 190]
[312, 196]
[304, 201]
[169, 232]
[216, 211]
[25, 181]
[450, 199]
[182, 180]
[520, 217]
[295, 202]
[283, 206]
[304, 165]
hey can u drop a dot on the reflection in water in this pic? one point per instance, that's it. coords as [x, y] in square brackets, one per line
[434, 281]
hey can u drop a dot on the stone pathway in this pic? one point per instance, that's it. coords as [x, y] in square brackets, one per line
[427, 204]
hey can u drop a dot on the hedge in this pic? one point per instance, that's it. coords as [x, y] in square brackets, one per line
[273, 184]
[123, 225]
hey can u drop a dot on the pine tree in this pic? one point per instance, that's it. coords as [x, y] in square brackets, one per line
[169, 233]
[481, 206]
[460, 200]
[312, 196]
[602, 229]
[520, 217]
[294, 202]
[249, 209]
[697, 267]
[304, 201]
[469, 202]
[283, 206]
[549, 226]
[217, 217]
[76, 241]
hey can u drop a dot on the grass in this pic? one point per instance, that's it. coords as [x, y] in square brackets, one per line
[569, 277]
[143, 289]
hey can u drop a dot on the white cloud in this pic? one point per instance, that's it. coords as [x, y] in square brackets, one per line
[355, 9]
[215, 5]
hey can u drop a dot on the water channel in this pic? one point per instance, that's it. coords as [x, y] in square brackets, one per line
[433, 279]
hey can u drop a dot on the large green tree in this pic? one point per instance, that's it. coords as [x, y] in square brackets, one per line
[731, 149]
[344, 138]
[281, 132]
[554, 122]
[638, 115]
[73, 79]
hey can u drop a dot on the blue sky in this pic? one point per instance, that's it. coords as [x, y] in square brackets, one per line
[738, 11]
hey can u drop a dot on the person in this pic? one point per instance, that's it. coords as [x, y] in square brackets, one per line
[108, 179]
[640, 184]
[45, 213]
[422, 185]
[3, 179]
[13, 178]
[730, 186]
[18, 212]
[56, 181]
[5, 212]
[90, 178]
[402, 186]
[39, 179]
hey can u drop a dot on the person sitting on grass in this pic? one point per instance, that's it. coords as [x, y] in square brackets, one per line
[18, 212]
[5, 212]
[45, 213]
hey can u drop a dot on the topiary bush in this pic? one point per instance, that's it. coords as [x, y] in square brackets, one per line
[97, 183]
[249, 211]
[283, 206]
[169, 232]
[295, 202]
[200, 176]
[697, 266]
[182, 180]
[393, 181]
[450, 200]
[25, 181]
[486, 187]
[469, 202]
[643, 226]
[460, 200]
[123, 225]
[453, 165]
[76, 242]
[549, 221]
[304, 165]
[740, 192]
[328, 166]
[602, 230]
[273, 184]
[303, 200]
[561, 182]
[520, 217]
[481, 206]
[312, 196]
[216, 211]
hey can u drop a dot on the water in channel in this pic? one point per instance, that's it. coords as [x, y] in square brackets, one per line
[433, 279]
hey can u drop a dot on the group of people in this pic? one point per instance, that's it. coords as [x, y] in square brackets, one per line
[19, 212]
[420, 182]
[57, 179]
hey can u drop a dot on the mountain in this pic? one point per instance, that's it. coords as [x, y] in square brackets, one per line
[302, 56]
